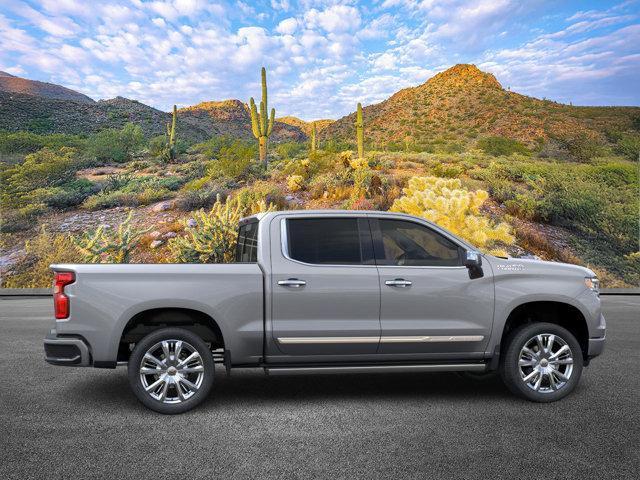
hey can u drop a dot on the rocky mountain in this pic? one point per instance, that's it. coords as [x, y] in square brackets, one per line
[19, 111]
[305, 126]
[232, 117]
[57, 109]
[464, 103]
[16, 85]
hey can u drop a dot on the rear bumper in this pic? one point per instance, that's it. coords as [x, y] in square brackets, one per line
[66, 351]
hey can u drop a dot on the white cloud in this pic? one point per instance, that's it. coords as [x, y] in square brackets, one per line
[287, 26]
[386, 61]
[335, 19]
[280, 5]
[379, 27]
[56, 26]
[15, 70]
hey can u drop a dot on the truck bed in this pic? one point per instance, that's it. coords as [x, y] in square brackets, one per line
[104, 297]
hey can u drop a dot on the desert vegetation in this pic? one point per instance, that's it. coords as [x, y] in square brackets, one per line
[123, 195]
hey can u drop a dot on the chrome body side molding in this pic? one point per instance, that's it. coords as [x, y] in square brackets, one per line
[383, 339]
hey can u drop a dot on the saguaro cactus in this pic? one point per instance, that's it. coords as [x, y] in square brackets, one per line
[360, 132]
[260, 124]
[314, 137]
[171, 136]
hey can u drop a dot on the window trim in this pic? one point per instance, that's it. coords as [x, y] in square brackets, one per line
[376, 233]
[284, 240]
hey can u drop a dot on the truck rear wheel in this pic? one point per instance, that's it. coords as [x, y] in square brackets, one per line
[542, 362]
[171, 370]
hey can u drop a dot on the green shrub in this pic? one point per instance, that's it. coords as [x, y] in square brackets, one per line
[122, 198]
[43, 250]
[27, 142]
[629, 146]
[211, 148]
[523, 206]
[498, 146]
[581, 146]
[22, 218]
[260, 191]
[56, 197]
[40, 125]
[447, 170]
[193, 200]
[157, 145]
[42, 169]
[289, 150]
[116, 145]
[169, 183]
[234, 159]
[110, 200]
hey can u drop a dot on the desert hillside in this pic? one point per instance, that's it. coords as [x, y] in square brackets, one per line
[232, 118]
[306, 126]
[27, 105]
[11, 84]
[463, 103]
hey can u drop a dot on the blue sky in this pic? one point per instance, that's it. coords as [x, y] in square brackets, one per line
[322, 56]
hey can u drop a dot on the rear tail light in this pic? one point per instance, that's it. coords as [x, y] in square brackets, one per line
[60, 300]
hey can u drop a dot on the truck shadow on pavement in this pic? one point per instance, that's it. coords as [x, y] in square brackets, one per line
[247, 387]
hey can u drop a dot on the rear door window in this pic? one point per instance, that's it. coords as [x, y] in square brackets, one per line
[330, 241]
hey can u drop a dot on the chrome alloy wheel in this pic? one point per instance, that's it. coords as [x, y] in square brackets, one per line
[545, 363]
[171, 371]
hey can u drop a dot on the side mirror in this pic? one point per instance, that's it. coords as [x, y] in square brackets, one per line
[473, 261]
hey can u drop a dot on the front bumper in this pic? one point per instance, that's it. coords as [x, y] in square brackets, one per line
[596, 343]
[66, 351]
[596, 347]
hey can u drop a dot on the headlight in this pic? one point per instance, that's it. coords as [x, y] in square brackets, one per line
[592, 283]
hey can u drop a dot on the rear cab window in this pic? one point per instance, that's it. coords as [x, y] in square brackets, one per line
[329, 241]
[247, 246]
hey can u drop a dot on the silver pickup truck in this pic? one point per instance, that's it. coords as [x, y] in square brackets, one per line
[330, 292]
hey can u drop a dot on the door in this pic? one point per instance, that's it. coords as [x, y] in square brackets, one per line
[429, 303]
[325, 288]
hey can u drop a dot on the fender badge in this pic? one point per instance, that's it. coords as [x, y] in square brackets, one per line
[510, 267]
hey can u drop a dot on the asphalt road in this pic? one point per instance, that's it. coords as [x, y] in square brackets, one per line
[84, 423]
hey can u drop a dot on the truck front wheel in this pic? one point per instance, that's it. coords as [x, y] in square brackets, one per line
[542, 362]
[171, 370]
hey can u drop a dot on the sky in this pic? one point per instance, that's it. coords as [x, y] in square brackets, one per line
[322, 57]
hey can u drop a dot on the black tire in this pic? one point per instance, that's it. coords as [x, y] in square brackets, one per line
[205, 381]
[510, 370]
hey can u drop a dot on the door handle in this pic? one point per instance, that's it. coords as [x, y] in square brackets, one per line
[292, 282]
[398, 282]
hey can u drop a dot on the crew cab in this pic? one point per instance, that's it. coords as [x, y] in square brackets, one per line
[330, 292]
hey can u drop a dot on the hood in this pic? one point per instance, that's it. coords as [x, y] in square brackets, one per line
[527, 265]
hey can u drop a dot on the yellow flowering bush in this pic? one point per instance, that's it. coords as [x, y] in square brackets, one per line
[295, 182]
[445, 202]
[358, 163]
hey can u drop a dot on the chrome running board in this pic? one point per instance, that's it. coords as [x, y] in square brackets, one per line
[446, 367]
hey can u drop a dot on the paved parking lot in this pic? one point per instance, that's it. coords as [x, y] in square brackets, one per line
[84, 423]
